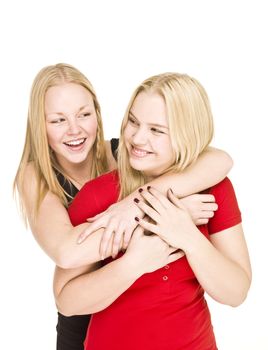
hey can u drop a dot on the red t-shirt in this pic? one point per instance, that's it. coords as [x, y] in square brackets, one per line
[162, 310]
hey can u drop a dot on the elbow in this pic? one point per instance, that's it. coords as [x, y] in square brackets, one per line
[65, 259]
[68, 310]
[64, 309]
[227, 160]
[238, 297]
[235, 302]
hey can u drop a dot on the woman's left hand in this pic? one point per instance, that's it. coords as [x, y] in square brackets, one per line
[201, 207]
[118, 223]
[172, 222]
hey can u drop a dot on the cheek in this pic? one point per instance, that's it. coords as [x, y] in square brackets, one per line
[92, 126]
[126, 133]
[52, 136]
[167, 150]
[89, 127]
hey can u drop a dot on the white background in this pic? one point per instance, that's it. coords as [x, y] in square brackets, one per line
[118, 44]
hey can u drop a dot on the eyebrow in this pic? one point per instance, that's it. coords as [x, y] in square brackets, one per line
[79, 110]
[152, 124]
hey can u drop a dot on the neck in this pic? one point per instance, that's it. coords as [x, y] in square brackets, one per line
[78, 173]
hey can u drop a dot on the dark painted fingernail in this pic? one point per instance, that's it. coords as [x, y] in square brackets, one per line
[136, 200]
[136, 218]
[148, 188]
[140, 190]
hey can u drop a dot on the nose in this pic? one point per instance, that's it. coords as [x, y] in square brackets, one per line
[73, 126]
[139, 136]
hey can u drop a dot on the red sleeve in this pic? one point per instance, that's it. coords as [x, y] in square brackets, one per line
[228, 213]
[94, 197]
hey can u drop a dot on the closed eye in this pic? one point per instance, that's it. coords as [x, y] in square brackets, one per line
[84, 115]
[132, 120]
[157, 131]
[58, 121]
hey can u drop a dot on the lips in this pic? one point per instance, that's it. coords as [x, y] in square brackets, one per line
[140, 153]
[75, 143]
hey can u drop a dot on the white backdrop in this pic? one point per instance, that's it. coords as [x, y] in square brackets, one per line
[118, 44]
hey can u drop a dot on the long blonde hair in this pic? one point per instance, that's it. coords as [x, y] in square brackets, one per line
[36, 147]
[190, 123]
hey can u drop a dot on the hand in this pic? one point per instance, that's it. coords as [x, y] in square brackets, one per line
[201, 207]
[149, 253]
[172, 222]
[118, 223]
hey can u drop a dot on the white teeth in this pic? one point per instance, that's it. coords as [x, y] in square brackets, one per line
[75, 142]
[139, 152]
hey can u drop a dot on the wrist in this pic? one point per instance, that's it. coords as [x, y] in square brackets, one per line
[194, 242]
[133, 268]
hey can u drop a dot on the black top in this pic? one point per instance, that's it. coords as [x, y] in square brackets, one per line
[71, 331]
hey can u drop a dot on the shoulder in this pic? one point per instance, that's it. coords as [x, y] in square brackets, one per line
[104, 185]
[110, 178]
[94, 197]
[228, 213]
[222, 188]
[29, 182]
[111, 148]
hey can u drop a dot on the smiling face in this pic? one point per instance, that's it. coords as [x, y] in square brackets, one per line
[71, 123]
[146, 135]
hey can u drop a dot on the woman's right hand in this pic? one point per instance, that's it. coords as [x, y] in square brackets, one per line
[149, 253]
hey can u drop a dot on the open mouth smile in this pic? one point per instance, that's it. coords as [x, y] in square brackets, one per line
[75, 143]
[140, 153]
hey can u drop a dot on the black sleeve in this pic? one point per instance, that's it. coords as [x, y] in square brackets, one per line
[114, 147]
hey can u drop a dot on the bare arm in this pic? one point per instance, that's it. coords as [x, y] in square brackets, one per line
[57, 237]
[54, 232]
[95, 289]
[210, 168]
[220, 264]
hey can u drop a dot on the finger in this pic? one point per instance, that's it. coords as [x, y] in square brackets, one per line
[210, 206]
[175, 200]
[118, 235]
[92, 228]
[148, 226]
[155, 198]
[207, 214]
[127, 236]
[107, 234]
[151, 212]
[207, 198]
[175, 256]
[201, 222]
[93, 218]
[138, 232]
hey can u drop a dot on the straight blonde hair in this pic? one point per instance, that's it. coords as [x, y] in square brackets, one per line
[190, 124]
[36, 148]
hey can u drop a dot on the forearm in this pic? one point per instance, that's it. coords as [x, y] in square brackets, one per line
[75, 255]
[223, 279]
[96, 290]
[210, 168]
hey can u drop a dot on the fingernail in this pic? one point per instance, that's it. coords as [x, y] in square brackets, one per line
[136, 200]
[171, 191]
[148, 188]
[140, 190]
[137, 219]
[79, 240]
